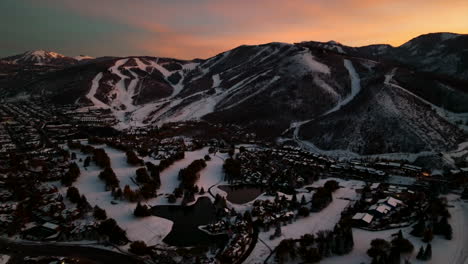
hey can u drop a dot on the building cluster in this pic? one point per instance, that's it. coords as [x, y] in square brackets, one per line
[388, 206]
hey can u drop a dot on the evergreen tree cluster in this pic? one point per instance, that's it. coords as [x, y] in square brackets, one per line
[154, 171]
[425, 254]
[149, 184]
[71, 175]
[141, 210]
[75, 197]
[73, 194]
[138, 248]
[384, 252]
[190, 175]
[133, 159]
[129, 194]
[87, 161]
[313, 248]
[101, 158]
[114, 233]
[99, 213]
[165, 163]
[232, 169]
[83, 148]
[323, 195]
[434, 221]
[109, 177]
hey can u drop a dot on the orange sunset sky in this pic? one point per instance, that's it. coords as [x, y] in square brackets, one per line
[202, 28]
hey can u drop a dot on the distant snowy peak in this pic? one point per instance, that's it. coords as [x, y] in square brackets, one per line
[83, 57]
[41, 57]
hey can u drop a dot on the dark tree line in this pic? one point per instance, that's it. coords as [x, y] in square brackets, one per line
[83, 148]
[323, 195]
[190, 175]
[165, 163]
[71, 175]
[133, 159]
[101, 158]
[154, 173]
[425, 254]
[114, 233]
[312, 248]
[232, 169]
[384, 252]
[99, 213]
[80, 200]
[434, 221]
[109, 177]
[141, 210]
[138, 248]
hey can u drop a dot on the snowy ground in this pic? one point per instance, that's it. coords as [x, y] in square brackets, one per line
[453, 251]
[323, 220]
[4, 259]
[149, 229]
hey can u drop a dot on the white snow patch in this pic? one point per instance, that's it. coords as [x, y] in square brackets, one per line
[216, 81]
[318, 81]
[92, 92]
[310, 64]
[83, 57]
[355, 87]
[4, 259]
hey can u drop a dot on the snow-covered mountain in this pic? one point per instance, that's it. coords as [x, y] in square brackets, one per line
[322, 95]
[442, 53]
[41, 57]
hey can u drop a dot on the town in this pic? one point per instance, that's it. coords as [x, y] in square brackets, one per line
[68, 177]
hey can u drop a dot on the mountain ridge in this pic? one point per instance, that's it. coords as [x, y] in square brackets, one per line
[325, 87]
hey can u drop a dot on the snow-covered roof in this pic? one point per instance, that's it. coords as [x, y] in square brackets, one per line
[364, 217]
[382, 208]
[390, 201]
[50, 226]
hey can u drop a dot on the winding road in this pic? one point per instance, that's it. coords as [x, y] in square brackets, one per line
[95, 255]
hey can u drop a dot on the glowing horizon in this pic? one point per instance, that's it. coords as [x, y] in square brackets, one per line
[187, 29]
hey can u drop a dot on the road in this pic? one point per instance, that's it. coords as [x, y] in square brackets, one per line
[96, 255]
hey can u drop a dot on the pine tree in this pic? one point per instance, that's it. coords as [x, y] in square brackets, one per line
[87, 161]
[73, 194]
[448, 233]
[138, 248]
[394, 257]
[83, 204]
[99, 213]
[418, 229]
[303, 200]
[428, 252]
[428, 235]
[420, 255]
[141, 210]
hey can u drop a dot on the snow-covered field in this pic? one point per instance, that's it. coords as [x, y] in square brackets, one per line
[323, 220]
[149, 229]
